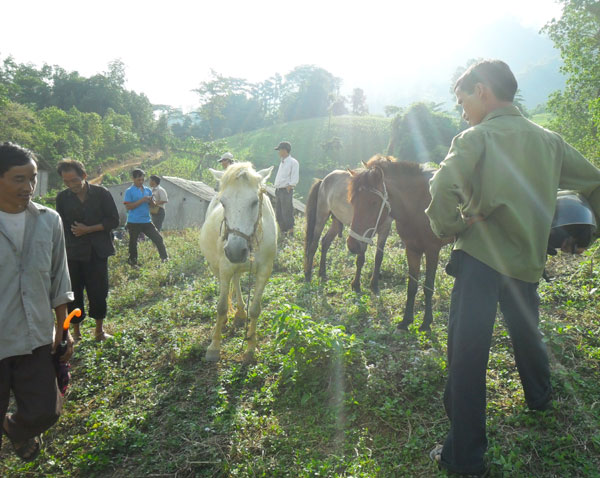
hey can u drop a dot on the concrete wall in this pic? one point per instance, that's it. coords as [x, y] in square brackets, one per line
[183, 210]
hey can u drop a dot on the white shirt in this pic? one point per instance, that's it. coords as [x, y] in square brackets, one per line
[14, 226]
[159, 194]
[287, 174]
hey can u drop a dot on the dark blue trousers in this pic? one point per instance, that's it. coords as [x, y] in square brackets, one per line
[478, 289]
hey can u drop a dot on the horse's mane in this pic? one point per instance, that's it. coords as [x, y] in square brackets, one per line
[366, 177]
[237, 171]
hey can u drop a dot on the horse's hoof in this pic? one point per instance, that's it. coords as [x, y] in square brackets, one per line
[212, 355]
[403, 326]
[375, 290]
[356, 288]
[239, 320]
[425, 328]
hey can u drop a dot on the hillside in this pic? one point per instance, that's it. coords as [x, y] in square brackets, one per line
[314, 144]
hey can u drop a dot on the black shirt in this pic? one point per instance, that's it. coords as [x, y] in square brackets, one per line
[98, 208]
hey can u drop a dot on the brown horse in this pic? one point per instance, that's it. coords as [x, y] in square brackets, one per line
[399, 189]
[329, 197]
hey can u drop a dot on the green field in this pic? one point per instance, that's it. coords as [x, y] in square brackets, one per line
[314, 144]
[336, 389]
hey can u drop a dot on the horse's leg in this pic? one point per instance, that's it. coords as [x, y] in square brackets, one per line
[321, 219]
[414, 266]
[334, 230]
[360, 261]
[213, 352]
[240, 308]
[262, 276]
[431, 262]
[382, 236]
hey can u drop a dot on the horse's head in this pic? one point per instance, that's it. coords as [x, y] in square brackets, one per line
[368, 195]
[241, 195]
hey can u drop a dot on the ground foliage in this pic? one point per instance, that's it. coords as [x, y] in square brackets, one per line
[335, 391]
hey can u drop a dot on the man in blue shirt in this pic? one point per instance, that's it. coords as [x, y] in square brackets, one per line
[137, 200]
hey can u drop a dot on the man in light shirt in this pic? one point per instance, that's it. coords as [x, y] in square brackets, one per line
[160, 197]
[34, 279]
[285, 182]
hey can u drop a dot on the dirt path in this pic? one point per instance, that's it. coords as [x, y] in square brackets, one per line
[119, 167]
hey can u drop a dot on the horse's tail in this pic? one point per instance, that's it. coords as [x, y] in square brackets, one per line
[311, 213]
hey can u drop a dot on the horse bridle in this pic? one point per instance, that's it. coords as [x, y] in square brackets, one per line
[250, 239]
[367, 236]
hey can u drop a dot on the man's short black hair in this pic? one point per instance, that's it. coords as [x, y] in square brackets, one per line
[12, 154]
[494, 73]
[137, 172]
[71, 165]
[155, 178]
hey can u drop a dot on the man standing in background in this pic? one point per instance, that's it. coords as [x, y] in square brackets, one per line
[285, 182]
[226, 160]
[89, 214]
[160, 198]
[137, 200]
[34, 280]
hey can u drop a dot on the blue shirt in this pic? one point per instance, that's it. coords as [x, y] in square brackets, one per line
[140, 214]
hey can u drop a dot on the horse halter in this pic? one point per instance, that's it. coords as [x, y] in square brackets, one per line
[367, 236]
[252, 238]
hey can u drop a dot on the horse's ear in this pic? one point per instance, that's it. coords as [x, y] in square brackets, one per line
[351, 171]
[217, 174]
[265, 173]
[364, 164]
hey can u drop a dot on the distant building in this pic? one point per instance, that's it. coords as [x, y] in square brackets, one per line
[188, 201]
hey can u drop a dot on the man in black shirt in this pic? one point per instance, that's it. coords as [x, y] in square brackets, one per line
[89, 214]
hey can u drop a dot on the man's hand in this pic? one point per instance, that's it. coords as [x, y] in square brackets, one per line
[69, 352]
[78, 229]
[290, 189]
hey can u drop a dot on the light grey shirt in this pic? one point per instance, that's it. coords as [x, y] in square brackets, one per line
[33, 282]
[159, 194]
[287, 174]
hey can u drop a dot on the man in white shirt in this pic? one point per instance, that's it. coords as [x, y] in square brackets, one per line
[285, 182]
[160, 198]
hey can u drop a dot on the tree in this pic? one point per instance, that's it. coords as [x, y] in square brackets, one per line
[577, 108]
[359, 102]
[306, 93]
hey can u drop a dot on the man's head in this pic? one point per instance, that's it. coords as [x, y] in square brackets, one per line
[18, 176]
[226, 160]
[284, 149]
[154, 181]
[138, 177]
[484, 87]
[73, 174]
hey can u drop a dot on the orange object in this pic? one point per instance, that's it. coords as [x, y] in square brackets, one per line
[67, 322]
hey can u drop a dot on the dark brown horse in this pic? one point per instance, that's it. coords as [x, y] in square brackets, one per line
[329, 197]
[399, 189]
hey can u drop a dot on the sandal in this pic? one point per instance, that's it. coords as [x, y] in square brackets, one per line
[435, 455]
[27, 450]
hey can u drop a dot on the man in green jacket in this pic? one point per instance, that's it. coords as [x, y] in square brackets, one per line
[496, 193]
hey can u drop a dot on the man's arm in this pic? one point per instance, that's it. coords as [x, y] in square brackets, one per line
[61, 314]
[451, 185]
[129, 205]
[294, 176]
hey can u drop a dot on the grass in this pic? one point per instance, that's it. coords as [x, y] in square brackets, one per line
[335, 391]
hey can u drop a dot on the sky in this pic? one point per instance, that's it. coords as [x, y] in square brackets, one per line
[170, 47]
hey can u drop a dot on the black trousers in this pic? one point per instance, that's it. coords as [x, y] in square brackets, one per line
[158, 219]
[32, 379]
[149, 230]
[91, 276]
[478, 289]
[284, 209]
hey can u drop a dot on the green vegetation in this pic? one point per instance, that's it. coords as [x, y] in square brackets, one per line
[319, 144]
[336, 390]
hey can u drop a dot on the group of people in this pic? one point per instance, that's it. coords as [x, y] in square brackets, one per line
[495, 194]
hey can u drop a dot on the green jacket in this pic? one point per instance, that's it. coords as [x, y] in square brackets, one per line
[508, 170]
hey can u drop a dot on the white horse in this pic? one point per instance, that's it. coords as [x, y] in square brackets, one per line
[239, 235]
